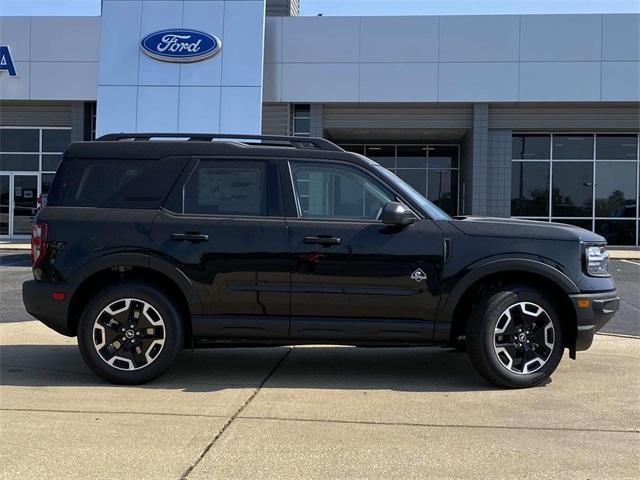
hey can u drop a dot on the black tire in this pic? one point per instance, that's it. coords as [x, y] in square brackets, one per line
[151, 348]
[490, 345]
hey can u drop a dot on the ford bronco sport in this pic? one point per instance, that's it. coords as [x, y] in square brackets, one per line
[150, 243]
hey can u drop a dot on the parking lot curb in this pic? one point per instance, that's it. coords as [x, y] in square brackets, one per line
[621, 335]
[14, 246]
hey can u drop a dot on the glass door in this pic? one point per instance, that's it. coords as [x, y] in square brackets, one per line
[25, 203]
[5, 205]
[18, 204]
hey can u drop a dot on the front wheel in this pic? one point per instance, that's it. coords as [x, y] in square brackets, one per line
[130, 333]
[514, 337]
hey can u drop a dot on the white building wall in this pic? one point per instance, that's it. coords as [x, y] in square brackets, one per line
[220, 94]
[56, 58]
[532, 58]
[493, 58]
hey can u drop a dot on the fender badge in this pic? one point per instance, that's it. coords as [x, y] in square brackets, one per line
[418, 275]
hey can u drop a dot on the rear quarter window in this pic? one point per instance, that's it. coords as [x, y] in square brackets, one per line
[114, 183]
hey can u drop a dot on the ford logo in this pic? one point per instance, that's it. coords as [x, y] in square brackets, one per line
[180, 45]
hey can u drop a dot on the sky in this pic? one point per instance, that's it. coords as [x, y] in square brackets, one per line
[365, 7]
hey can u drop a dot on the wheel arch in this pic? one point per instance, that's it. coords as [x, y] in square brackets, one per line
[113, 269]
[498, 273]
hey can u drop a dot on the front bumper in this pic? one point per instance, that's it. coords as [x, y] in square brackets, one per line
[593, 311]
[38, 301]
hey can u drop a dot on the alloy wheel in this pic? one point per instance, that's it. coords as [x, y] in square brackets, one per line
[129, 334]
[524, 338]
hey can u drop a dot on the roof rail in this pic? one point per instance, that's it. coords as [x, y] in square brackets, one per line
[275, 140]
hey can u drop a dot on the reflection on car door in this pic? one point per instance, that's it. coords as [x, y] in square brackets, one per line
[227, 234]
[351, 275]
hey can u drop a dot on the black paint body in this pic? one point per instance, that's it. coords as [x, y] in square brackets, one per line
[256, 280]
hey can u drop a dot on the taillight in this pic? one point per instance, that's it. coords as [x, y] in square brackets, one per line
[38, 242]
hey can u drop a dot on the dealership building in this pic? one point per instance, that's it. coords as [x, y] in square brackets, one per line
[532, 116]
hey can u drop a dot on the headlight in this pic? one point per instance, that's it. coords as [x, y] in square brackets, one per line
[596, 259]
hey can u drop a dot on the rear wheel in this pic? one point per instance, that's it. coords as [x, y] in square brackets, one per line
[514, 337]
[130, 333]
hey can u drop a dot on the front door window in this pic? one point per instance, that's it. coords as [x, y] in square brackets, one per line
[326, 190]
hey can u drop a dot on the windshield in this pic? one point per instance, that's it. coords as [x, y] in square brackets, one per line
[429, 208]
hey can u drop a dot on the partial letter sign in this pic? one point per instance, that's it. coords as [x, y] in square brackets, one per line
[6, 62]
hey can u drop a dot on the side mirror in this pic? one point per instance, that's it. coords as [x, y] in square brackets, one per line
[395, 213]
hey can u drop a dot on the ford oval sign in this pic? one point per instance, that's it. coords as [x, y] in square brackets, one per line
[180, 45]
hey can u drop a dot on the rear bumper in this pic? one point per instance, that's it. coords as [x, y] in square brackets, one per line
[593, 311]
[38, 300]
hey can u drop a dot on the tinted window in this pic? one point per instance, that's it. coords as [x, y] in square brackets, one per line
[220, 187]
[531, 147]
[617, 232]
[55, 140]
[337, 191]
[50, 161]
[385, 155]
[530, 189]
[16, 161]
[443, 157]
[443, 189]
[19, 140]
[121, 183]
[573, 147]
[412, 157]
[586, 224]
[412, 194]
[572, 189]
[416, 178]
[354, 148]
[47, 178]
[616, 147]
[616, 189]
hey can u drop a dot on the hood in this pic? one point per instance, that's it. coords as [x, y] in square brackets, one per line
[517, 228]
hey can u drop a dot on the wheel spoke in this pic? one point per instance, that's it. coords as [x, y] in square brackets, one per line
[134, 313]
[111, 349]
[538, 336]
[152, 333]
[137, 355]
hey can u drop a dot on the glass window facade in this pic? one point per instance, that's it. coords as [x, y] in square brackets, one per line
[29, 156]
[302, 120]
[589, 180]
[26, 149]
[433, 170]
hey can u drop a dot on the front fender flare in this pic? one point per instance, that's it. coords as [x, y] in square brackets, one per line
[504, 265]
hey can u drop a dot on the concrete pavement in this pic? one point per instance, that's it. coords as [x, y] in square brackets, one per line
[314, 412]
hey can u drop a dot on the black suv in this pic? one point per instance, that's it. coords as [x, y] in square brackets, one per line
[154, 242]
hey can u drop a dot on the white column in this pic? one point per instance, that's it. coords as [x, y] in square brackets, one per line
[223, 93]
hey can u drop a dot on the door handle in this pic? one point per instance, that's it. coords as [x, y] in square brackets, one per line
[190, 237]
[326, 241]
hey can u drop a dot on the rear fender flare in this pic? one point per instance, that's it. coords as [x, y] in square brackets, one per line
[148, 262]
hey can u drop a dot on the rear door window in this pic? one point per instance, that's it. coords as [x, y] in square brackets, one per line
[231, 187]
